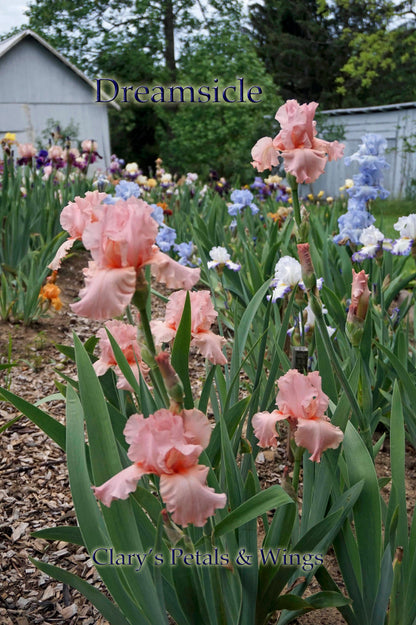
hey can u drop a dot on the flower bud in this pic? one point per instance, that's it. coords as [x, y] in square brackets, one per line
[172, 382]
[308, 272]
[360, 298]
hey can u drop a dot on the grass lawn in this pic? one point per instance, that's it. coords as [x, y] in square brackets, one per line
[387, 212]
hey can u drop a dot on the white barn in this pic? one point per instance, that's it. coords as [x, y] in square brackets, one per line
[395, 122]
[38, 84]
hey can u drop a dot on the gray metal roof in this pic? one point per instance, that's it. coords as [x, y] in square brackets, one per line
[371, 109]
[9, 43]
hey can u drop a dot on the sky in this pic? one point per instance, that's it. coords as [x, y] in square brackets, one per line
[11, 15]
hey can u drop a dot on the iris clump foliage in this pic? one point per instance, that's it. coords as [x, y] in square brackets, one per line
[34, 186]
[304, 345]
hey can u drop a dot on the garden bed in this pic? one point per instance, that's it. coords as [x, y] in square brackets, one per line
[34, 490]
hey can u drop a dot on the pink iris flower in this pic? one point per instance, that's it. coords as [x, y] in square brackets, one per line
[126, 337]
[121, 239]
[203, 316]
[55, 152]
[264, 154]
[168, 445]
[300, 400]
[89, 146]
[74, 217]
[304, 155]
[26, 150]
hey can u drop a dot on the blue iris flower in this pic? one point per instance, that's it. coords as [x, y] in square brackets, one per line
[166, 238]
[241, 198]
[126, 189]
[367, 186]
[185, 251]
[157, 214]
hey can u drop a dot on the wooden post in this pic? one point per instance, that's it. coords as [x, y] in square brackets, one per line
[300, 358]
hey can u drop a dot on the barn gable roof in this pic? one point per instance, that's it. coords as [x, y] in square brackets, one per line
[11, 42]
[372, 109]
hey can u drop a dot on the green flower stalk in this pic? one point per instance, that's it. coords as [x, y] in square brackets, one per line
[295, 198]
[141, 293]
[356, 321]
[139, 300]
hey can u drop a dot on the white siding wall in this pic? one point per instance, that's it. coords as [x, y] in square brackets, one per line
[37, 86]
[391, 124]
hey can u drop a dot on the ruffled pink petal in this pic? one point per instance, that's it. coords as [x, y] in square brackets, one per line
[120, 486]
[173, 274]
[123, 236]
[297, 126]
[264, 154]
[305, 164]
[290, 111]
[301, 396]
[77, 214]
[162, 332]
[125, 335]
[174, 308]
[122, 383]
[334, 149]
[107, 292]
[316, 435]
[180, 457]
[210, 346]
[151, 439]
[61, 253]
[140, 233]
[132, 427]
[188, 498]
[101, 366]
[158, 443]
[197, 428]
[203, 313]
[264, 425]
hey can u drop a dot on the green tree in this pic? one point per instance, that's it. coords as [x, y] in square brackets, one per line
[293, 40]
[86, 30]
[350, 24]
[381, 60]
[338, 52]
[143, 32]
[214, 135]
[132, 42]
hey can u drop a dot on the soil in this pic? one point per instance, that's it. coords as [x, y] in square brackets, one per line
[34, 490]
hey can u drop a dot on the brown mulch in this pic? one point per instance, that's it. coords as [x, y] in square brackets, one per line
[34, 489]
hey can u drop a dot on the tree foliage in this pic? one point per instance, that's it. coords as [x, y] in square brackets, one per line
[341, 53]
[88, 32]
[102, 34]
[137, 43]
[218, 135]
[293, 40]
